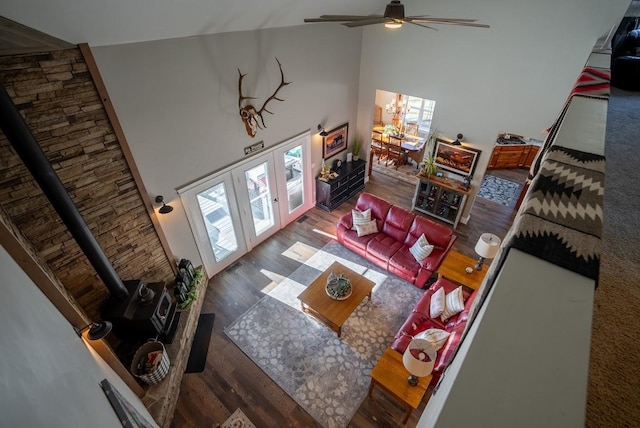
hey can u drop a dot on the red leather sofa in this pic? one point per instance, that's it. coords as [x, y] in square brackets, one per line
[420, 320]
[398, 230]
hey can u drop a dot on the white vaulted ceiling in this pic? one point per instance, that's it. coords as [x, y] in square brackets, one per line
[109, 22]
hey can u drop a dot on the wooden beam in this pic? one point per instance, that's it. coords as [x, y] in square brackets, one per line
[25, 255]
[119, 132]
[16, 38]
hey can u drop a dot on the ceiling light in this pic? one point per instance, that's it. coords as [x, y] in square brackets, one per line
[393, 24]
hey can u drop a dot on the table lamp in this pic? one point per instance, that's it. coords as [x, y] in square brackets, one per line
[418, 359]
[487, 248]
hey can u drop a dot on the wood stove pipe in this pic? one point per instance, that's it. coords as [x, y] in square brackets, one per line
[24, 143]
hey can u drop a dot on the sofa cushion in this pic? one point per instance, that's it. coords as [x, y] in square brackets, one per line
[397, 223]
[437, 337]
[448, 350]
[421, 249]
[438, 235]
[437, 305]
[360, 217]
[453, 304]
[366, 228]
[379, 207]
[403, 263]
[354, 242]
[383, 247]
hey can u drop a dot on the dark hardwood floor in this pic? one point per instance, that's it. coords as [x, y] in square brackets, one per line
[232, 380]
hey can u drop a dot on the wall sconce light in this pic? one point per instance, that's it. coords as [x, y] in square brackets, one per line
[457, 140]
[164, 209]
[97, 330]
[323, 133]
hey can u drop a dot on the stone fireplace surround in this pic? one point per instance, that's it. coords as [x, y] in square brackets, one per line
[63, 101]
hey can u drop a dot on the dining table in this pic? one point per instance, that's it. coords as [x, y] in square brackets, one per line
[407, 142]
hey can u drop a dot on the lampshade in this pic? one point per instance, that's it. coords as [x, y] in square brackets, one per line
[419, 359]
[488, 245]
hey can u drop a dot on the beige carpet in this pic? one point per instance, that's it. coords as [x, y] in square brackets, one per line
[614, 379]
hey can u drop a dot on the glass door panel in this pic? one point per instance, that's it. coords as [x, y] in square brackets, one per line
[212, 211]
[295, 183]
[255, 188]
[214, 207]
[257, 179]
[294, 177]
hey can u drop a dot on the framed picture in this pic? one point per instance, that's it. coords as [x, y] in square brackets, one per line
[335, 141]
[128, 415]
[457, 159]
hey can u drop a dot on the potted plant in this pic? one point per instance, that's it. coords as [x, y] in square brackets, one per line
[356, 146]
[429, 165]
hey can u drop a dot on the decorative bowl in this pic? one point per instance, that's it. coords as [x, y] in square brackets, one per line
[338, 287]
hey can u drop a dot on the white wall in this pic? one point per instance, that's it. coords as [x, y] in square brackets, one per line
[514, 76]
[50, 376]
[177, 101]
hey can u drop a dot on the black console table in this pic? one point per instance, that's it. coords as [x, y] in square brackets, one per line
[333, 192]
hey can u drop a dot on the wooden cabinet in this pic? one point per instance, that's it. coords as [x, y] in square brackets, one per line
[333, 192]
[440, 198]
[513, 156]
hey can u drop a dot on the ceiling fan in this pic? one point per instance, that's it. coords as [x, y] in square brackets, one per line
[393, 18]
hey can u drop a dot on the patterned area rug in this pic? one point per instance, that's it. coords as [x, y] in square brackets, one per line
[238, 420]
[326, 375]
[499, 190]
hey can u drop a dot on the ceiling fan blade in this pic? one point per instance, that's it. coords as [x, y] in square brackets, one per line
[341, 18]
[464, 23]
[349, 17]
[364, 22]
[430, 18]
[420, 25]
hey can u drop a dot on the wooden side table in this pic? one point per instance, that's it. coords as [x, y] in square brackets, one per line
[390, 374]
[453, 268]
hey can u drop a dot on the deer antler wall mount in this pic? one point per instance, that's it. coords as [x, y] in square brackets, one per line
[251, 117]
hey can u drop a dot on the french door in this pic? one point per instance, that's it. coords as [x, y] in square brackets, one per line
[235, 209]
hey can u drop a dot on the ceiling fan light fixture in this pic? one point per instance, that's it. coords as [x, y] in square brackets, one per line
[393, 24]
[395, 11]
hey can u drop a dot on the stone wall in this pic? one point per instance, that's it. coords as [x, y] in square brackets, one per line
[56, 96]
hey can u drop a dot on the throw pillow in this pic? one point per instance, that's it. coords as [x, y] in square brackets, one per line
[435, 336]
[421, 249]
[360, 217]
[436, 306]
[367, 228]
[453, 304]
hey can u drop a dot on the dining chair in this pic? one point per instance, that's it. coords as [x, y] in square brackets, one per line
[378, 148]
[395, 152]
[417, 155]
[411, 128]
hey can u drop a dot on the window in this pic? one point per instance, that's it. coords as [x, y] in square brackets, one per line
[420, 110]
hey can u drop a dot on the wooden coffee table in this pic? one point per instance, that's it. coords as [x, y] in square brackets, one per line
[391, 375]
[334, 313]
[453, 268]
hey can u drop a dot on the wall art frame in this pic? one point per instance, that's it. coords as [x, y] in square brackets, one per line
[460, 160]
[128, 415]
[335, 141]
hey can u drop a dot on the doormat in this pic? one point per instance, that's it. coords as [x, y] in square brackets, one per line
[499, 190]
[200, 345]
[238, 420]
